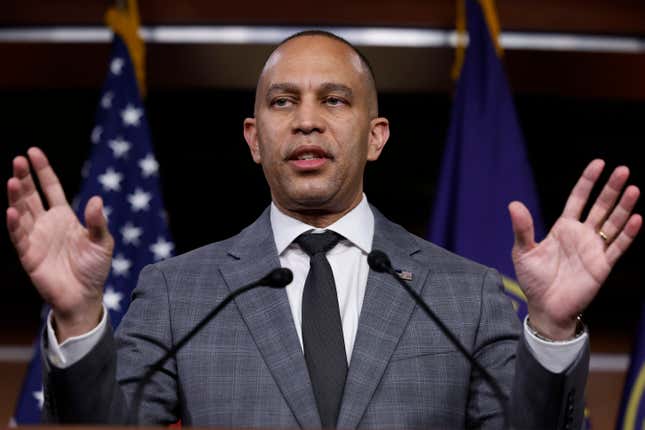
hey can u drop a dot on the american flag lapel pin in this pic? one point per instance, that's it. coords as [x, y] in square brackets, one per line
[404, 274]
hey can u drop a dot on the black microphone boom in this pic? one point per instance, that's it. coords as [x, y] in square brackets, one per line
[380, 262]
[277, 278]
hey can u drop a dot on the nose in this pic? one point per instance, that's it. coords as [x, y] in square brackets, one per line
[308, 118]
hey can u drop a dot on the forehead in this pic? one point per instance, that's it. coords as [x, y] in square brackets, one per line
[311, 60]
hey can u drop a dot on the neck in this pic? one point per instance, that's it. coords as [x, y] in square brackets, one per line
[319, 218]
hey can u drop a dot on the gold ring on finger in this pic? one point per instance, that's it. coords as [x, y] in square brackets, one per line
[603, 235]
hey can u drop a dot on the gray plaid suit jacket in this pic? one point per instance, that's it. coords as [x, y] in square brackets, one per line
[246, 368]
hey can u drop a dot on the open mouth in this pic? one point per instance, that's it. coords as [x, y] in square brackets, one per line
[309, 158]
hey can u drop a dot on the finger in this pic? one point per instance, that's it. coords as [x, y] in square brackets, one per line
[522, 223]
[621, 213]
[13, 220]
[96, 222]
[48, 180]
[16, 201]
[580, 193]
[625, 238]
[17, 232]
[607, 198]
[30, 195]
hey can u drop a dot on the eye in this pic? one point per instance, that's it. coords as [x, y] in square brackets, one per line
[334, 101]
[280, 102]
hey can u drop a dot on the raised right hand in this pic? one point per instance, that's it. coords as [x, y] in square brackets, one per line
[67, 262]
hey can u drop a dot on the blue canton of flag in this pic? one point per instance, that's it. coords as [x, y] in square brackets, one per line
[122, 169]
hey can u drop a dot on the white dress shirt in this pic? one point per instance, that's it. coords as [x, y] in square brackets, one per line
[348, 261]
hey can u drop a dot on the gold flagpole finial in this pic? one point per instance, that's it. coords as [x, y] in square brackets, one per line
[123, 19]
[460, 48]
[492, 22]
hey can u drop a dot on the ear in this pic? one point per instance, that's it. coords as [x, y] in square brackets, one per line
[379, 134]
[251, 137]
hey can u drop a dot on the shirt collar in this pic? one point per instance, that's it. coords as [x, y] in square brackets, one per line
[357, 226]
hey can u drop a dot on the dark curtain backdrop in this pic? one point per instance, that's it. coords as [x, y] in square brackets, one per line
[212, 188]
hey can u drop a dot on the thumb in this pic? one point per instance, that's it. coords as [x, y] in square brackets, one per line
[522, 222]
[96, 222]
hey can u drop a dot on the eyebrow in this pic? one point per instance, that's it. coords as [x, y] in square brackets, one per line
[331, 87]
[326, 87]
[283, 87]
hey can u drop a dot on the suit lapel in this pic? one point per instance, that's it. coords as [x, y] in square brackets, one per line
[268, 316]
[385, 313]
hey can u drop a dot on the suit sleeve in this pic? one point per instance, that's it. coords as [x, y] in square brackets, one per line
[98, 388]
[538, 398]
[542, 399]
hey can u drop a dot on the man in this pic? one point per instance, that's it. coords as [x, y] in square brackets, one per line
[315, 126]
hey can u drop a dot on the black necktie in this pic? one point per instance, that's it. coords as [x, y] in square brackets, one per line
[322, 330]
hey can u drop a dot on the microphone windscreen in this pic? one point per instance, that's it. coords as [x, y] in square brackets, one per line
[379, 261]
[279, 278]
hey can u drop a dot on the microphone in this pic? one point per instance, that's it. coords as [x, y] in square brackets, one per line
[380, 262]
[277, 278]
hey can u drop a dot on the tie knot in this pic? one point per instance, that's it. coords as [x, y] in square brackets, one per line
[315, 243]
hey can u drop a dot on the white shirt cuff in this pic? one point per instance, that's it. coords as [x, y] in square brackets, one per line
[554, 356]
[74, 348]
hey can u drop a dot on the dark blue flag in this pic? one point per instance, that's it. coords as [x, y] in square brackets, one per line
[122, 169]
[632, 406]
[484, 165]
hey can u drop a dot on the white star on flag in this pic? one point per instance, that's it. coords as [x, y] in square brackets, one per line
[111, 180]
[40, 397]
[106, 100]
[139, 200]
[117, 65]
[106, 212]
[121, 265]
[131, 115]
[130, 234]
[119, 147]
[162, 248]
[96, 134]
[149, 166]
[112, 299]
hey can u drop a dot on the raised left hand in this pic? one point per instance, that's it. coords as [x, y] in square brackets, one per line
[563, 273]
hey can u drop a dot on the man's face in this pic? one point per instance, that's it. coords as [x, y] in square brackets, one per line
[313, 130]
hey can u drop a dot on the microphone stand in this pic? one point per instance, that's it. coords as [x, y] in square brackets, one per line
[278, 278]
[380, 262]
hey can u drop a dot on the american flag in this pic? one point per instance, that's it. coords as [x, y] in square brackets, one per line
[122, 169]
